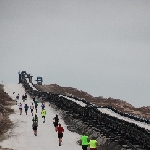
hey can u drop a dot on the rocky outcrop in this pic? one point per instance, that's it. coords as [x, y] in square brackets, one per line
[120, 105]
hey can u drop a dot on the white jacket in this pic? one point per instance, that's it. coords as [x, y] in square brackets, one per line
[20, 105]
[31, 107]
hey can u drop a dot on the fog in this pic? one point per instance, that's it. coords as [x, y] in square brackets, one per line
[98, 46]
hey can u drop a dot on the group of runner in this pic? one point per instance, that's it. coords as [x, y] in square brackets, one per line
[86, 142]
[58, 128]
[33, 105]
[26, 107]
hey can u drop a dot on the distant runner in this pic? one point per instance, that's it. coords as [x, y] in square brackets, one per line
[93, 144]
[34, 127]
[32, 107]
[56, 120]
[35, 118]
[20, 108]
[43, 106]
[84, 140]
[25, 96]
[43, 112]
[26, 108]
[60, 133]
[36, 105]
[33, 99]
[17, 98]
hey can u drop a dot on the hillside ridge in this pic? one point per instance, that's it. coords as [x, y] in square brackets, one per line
[99, 101]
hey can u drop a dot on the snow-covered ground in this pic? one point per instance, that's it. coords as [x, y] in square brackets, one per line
[78, 102]
[112, 113]
[31, 84]
[22, 137]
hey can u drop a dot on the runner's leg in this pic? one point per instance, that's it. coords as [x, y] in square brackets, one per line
[59, 142]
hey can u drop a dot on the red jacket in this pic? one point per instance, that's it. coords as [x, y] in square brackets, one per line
[60, 129]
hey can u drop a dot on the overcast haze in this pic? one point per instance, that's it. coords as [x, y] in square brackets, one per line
[98, 46]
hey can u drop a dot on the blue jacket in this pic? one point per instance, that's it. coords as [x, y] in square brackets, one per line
[42, 106]
[26, 107]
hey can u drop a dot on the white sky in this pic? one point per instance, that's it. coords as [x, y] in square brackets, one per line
[99, 46]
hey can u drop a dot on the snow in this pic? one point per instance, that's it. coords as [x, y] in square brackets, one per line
[78, 102]
[31, 84]
[22, 137]
[110, 112]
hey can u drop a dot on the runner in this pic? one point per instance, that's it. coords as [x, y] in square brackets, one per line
[26, 108]
[43, 105]
[43, 112]
[23, 98]
[36, 105]
[56, 122]
[35, 118]
[84, 140]
[17, 98]
[93, 144]
[60, 133]
[34, 127]
[20, 108]
[33, 99]
[32, 107]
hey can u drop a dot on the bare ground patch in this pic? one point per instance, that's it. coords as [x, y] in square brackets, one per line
[5, 110]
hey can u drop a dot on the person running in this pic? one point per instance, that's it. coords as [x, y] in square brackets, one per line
[56, 120]
[34, 127]
[84, 140]
[20, 108]
[43, 105]
[36, 105]
[17, 98]
[35, 118]
[32, 107]
[26, 108]
[43, 112]
[93, 144]
[23, 98]
[60, 133]
[34, 99]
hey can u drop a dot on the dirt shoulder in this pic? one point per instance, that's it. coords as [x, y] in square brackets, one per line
[5, 110]
[99, 101]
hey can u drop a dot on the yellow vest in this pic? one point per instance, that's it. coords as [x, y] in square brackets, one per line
[92, 143]
[43, 112]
